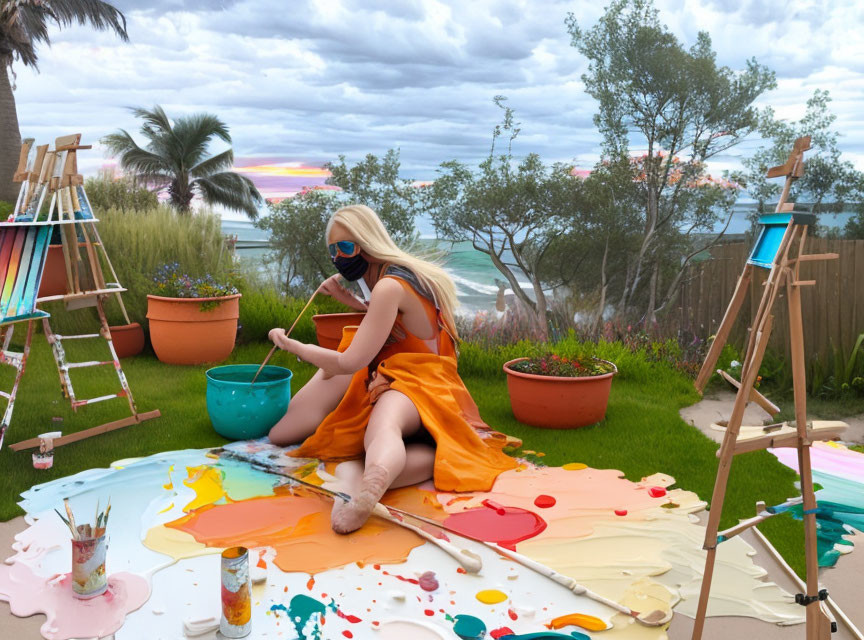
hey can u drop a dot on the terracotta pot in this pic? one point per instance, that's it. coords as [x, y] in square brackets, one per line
[328, 327]
[54, 274]
[181, 333]
[555, 402]
[128, 339]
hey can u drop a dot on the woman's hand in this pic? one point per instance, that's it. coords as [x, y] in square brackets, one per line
[277, 336]
[331, 287]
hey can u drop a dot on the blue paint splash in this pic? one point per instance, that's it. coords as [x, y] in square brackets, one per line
[301, 611]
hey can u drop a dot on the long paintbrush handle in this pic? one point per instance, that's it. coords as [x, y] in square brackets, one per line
[469, 561]
[287, 333]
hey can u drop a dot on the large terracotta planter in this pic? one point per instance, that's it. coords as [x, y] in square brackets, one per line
[182, 333]
[128, 339]
[54, 274]
[555, 402]
[328, 327]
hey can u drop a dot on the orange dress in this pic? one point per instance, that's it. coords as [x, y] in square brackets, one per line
[468, 454]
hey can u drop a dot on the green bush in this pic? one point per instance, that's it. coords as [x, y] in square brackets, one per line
[106, 191]
[6, 208]
[262, 308]
[138, 243]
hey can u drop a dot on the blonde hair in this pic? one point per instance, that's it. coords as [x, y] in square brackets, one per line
[370, 233]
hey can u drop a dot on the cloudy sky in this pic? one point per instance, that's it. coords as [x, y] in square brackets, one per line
[300, 82]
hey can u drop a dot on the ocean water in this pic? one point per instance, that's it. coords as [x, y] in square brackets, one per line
[475, 276]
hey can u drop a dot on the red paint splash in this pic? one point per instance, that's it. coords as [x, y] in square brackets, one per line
[544, 502]
[620, 512]
[402, 578]
[460, 570]
[656, 492]
[347, 634]
[349, 618]
[514, 525]
[500, 632]
[429, 612]
[497, 508]
[310, 583]
[512, 614]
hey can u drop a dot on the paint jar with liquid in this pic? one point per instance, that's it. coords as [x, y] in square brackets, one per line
[236, 619]
[88, 567]
[44, 458]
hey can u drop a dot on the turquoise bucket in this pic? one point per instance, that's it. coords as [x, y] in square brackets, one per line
[240, 410]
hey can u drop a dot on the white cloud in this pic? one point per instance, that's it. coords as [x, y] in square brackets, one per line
[309, 80]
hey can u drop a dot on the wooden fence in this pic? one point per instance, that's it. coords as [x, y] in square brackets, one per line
[833, 309]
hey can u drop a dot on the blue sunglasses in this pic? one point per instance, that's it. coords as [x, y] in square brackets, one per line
[344, 247]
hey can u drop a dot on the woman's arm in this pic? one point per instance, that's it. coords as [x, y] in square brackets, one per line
[331, 287]
[371, 335]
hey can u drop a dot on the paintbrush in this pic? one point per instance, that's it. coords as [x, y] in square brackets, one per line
[287, 333]
[73, 526]
[66, 522]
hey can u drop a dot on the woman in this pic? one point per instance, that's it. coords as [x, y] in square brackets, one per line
[391, 392]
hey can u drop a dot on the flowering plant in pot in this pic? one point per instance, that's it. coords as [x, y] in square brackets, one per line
[559, 392]
[192, 320]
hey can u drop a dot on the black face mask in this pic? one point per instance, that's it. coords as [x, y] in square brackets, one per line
[353, 268]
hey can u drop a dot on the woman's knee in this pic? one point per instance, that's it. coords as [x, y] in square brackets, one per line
[292, 428]
[382, 429]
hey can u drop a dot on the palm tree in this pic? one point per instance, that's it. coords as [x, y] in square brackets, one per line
[176, 158]
[24, 25]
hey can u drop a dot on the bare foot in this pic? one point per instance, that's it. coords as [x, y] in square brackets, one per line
[350, 516]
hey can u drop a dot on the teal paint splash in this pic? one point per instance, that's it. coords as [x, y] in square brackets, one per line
[835, 521]
[469, 628]
[301, 611]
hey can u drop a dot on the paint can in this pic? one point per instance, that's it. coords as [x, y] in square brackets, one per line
[44, 458]
[236, 619]
[88, 567]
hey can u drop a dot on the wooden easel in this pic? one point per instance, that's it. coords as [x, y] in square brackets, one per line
[780, 249]
[55, 173]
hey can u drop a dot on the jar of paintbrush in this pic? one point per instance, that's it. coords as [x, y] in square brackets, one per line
[89, 549]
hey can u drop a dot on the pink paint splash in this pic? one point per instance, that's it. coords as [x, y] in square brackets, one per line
[68, 617]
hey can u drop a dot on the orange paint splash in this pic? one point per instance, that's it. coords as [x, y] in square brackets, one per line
[298, 529]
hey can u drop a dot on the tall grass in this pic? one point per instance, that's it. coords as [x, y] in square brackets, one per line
[138, 243]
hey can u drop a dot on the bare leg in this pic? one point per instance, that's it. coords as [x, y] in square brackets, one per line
[419, 466]
[308, 408]
[393, 417]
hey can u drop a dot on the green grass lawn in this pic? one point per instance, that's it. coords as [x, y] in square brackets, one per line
[642, 433]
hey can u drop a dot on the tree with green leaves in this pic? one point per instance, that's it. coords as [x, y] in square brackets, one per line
[177, 157]
[297, 224]
[829, 183]
[375, 182]
[24, 25]
[514, 212]
[654, 94]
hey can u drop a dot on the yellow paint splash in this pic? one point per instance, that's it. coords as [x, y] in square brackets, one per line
[206, 482]
[170, 484]
[176, 544]
[580, 620]
[493, 596]
[574, 466]
[167, 509]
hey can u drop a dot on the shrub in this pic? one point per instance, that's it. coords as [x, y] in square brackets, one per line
[125, 193]
[263, 308]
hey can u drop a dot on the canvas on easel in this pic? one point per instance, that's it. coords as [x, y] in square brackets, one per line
[779, 249]
[52, 196]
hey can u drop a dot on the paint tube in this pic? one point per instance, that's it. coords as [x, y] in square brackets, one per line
[236, 619]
